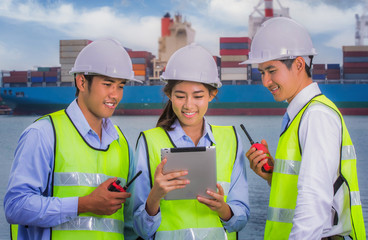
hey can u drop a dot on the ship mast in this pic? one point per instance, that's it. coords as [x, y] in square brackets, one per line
[258, 16]
[361, 29]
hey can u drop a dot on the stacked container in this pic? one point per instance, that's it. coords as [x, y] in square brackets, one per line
[333, 72]
[319, 72]
[355, 64]
[233, 51]
[142, 65]
[69, 50]
[16, 79]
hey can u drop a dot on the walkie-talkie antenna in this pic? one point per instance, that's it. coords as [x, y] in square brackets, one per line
[246, 133]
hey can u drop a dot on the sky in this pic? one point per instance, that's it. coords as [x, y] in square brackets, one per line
[30, 30]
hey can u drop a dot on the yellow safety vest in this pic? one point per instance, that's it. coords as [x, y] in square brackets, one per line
[284, 190]
[78, 170]
[190, 219]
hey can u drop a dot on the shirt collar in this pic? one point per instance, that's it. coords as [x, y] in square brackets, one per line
[80, 122]
[179, 133]
[302, 98]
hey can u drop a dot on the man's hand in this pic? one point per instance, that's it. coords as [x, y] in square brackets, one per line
[101, 201]
[257, 158]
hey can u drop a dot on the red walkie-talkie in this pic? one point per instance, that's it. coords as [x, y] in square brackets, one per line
[268, 166]
[115, 187]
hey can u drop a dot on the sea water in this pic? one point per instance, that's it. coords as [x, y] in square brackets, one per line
[266, 127]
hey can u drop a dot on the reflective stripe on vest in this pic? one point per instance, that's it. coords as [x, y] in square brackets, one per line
[189, 217]
[78, 170]
[92, 223]
[285, 177]
[82, 179]
[193, 233]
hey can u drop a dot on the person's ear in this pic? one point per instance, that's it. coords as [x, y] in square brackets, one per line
[80, 80]
[213, 94]
[300, 63]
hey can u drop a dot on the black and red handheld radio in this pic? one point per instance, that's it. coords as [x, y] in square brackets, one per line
[268, 166]
[115, 187]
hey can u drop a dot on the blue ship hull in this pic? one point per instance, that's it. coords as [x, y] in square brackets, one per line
[351, 99]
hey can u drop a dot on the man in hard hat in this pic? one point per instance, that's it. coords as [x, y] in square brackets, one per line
[65, 161]
[314, 186]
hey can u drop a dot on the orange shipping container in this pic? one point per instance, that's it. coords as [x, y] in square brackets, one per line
[140, 72]
[139, 66]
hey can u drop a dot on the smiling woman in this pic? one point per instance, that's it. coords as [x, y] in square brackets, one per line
[192, 82]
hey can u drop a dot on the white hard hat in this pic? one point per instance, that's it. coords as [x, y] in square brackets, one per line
[105, 57]
[280, 38]
[192, 63]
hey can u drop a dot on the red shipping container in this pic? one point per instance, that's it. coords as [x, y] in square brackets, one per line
[18, 73]
[356, 54]
[235, 40]
[318, 71]
[234, 52]
[233, 64]
[356, 65]
[140, 54]
[15, 79]
[51, 74]
[55, 69]
[333, 71]
[355, 70]
[319, 66]
[139, 66]
[36, 74]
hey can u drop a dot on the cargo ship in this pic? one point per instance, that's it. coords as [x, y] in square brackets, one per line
[48, 89]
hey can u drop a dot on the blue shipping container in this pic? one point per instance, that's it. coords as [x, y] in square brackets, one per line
[51, 79]
[36, 79]
[333, 66]
[234, 46]
[319, 76]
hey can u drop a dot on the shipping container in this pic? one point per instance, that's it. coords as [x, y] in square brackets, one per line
[140, 73]
[319, 76]
[37, 74]
[235, 40]
[51, 79]
[51, 74]
[15, 79]
[356, 54]
[233, 65]
[354, 48]
[139, 67]
[318, 71]
[139, 60]
[355, 70]
[319, 66]
[355, 65]
[234, 46]
[333, 66]
[234, 52]
[234, 76]
[234, 58]
[355, 59]
[256, 75]
[140, 54]
[37, 79]
[355, 75]
[234, 70]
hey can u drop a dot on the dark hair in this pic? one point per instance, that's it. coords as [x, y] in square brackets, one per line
[168, 116]
[89, 79]
[289, 62]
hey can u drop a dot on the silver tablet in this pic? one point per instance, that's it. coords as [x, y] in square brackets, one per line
[201, 165]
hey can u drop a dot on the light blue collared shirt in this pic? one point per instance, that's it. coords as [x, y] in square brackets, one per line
[27, 201]
[146, 225]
